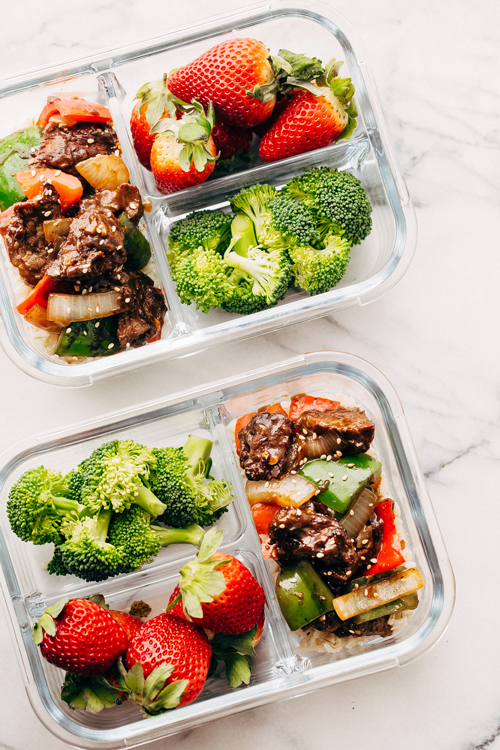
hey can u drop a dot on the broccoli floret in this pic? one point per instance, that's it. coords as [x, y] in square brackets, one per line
[113, 477]
[337, 198]
[201, 278]
[75, 481]
[267, 271]
[254, 203]
[38, 504]
[56, 565]
[317, 271]
[180, 480]
[206, 229]
[86, 553]
[294, 220]
[241, 299]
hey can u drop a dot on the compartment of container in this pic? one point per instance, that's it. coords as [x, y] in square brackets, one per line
[280, 669]
[113, 79]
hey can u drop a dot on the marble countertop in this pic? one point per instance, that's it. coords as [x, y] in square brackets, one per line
[435, 336]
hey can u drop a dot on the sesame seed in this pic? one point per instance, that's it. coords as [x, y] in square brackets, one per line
[339, 441]
[366, 592]
[351, 513]
[128, 299]
[368, 567]
[117, 288]
[101, 242]
[282, 526]
[375, 594]
[85, 270]
[113, 229]
[119, 248]
[304, 431]
[88, 309]
[320, 554]
[110, 346]
[315, 437]
[90, 140]
[317, 492]
[293, 471]
[57, 173]
[97, 324]
[68, 330]
[356, 586]
[266, 485]
[365, 541]
[127, 345]
[33, 172]
[293, 580]
[328, 458]
[362, 558]
[47, 213]
[373, 560]
[370, 505]
[330, 473]
[350, 465]
[323, 456]
[85, 333]
[117, 153]
[84, 291]
[344, 478]
[50, 250]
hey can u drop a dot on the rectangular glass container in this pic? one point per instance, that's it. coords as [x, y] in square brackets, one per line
[278, 672]
[113, 78]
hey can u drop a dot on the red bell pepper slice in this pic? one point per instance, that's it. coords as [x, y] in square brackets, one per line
[69, 188]
[390, 555]
[40, 294]
[262, 515]
[245, 419]
[5, 217]
[302, 402]
[74, 110]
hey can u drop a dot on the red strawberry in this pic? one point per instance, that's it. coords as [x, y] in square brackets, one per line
[155, 103]
[79, 636]
[241, 79]
[217, 591]
[184, 153]
[313, 118]
[129, 623]
[262, 129]
[179, 651]
[229, 139]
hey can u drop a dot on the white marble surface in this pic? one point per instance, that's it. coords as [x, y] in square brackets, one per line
[435, 336]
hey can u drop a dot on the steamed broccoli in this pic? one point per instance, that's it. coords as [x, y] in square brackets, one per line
[201, 278]
[38, 504]
[113, 477]
[86, 553]
[181, 481]
[253, 202]
[294, 220]
[206, 229]
[338, 200]
[131, 531]
[317, 271]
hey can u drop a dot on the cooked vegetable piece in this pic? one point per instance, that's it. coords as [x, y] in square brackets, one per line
[302, 594]
[135, 243]
[74, 110]
[56, 228]
[359, 512]
[15, 152]
[398, 605]
[262, 515]
[389, 556]
[70, 188]
[291, 489]
[347, 478]
[37, 316]
[357, 583]
[377, 594]
[302, 402]
[67, 308]
[40, 294]
[103, 172]
[90, 338]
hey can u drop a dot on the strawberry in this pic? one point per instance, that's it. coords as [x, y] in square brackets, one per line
[235, 652]
[313, 118]
[168, 662]
[229, 139]
[217, 591]
[155, 103]
[129, 623]
[184, 154]
[241, 79]
[79, 636]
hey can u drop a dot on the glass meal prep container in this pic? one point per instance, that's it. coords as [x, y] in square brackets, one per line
[113, 78]
[278, 672]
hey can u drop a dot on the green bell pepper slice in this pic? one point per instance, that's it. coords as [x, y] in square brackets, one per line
[90, 338]
[302, 594]
[347, 478]
[135, 243]
[15, 153]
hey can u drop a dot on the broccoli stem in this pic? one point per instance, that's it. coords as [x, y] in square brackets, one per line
[64, 507]
[148, 501]
[243, 235]
[102, 526]
[192, 534]
[197, 451]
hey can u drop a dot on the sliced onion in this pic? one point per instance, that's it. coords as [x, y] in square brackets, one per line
[55, 228]
[104, 172]
[67, 308]
[292, 489]
[325, 443]
[359, 512]
[37, 316]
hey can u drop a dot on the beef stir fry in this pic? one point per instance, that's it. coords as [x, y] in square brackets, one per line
[71, 229]
[316, 501]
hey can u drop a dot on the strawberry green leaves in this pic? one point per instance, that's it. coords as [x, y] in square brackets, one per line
[288, 69]
[159, 100]
[151, 694]
[234, 651]
[200, 582]
[193, 130]
[89, 693]
[46, 621]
